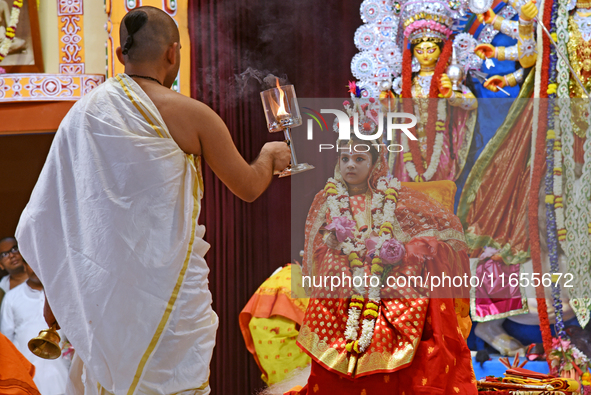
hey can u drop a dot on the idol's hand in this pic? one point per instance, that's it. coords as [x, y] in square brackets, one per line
[445, 86]
[529, 11]
[494, 83]
[487, 17]
[280, 153]
[331, 241]
[485, 51]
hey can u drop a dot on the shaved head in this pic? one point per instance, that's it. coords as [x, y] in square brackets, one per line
[146, 33]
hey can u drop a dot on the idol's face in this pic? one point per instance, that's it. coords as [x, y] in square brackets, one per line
[355, 167]
[427, 53]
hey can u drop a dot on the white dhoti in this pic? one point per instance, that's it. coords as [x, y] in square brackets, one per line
[111, 230]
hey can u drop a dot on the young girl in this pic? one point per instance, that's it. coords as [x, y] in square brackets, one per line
[381, 332]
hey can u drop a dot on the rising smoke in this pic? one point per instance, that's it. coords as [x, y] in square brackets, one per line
[250, 43]
[263, 79]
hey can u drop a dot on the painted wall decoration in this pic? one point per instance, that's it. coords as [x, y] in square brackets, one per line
[71, 36]
[46, 87]
[72, 83]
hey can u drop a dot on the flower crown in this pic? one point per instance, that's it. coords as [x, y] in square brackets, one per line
[424, 30]
[430, 20]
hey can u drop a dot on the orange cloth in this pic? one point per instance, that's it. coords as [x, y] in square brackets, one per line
[16, 372]
[441, 365]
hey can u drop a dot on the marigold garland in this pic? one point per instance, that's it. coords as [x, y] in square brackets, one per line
[432, 128]
[437, 148]
[383, 204]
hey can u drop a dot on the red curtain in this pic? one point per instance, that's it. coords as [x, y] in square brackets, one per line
[309, 42]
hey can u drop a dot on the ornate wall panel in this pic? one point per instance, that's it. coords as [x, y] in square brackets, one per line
[71, 36]
[46, 87]
[72, 83]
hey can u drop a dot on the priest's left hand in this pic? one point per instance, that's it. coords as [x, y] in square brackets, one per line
[48, 315]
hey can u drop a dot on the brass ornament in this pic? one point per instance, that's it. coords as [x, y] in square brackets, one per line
[46, 345]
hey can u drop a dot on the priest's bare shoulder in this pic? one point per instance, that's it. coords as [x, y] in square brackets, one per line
[150, 51]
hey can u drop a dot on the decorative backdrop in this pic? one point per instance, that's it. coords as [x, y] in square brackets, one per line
[46, 87]
[71, 83]
[71, 36]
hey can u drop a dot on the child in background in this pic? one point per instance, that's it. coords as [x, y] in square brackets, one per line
[12, 262]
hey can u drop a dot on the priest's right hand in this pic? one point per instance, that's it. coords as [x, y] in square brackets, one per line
[280, 153]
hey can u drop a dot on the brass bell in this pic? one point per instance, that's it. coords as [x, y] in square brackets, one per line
[47, 344]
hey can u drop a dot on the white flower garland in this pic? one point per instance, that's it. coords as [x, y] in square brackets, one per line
[437, 148]
[368, 325]
[10, 29]
[383, 206]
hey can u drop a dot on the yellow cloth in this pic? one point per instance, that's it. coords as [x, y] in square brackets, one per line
[270, 324]
[275, 345]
